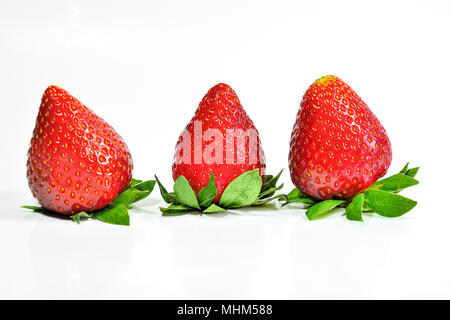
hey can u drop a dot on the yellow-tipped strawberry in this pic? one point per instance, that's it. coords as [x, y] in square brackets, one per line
[338, 151]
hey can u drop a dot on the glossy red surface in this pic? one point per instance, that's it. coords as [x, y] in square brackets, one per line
[76, 161]
[220, 110]
[338, 147]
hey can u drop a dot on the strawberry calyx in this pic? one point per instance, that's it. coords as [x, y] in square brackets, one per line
[381, 197]
[115, 212]
[248, 189]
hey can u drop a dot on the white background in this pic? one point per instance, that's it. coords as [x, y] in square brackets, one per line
[145, 65]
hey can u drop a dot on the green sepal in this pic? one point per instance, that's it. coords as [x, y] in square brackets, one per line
[245, 190]
[137, 190]
[412, 172]
[405, 168]
[213, 208]
[148, 185]
[175, 209]
[354, 209]
[270, 192]
[184, 194]
[322, 207]
[77, 216]
[266, 179]
[117, 211]
[409, 172]
[207, 194]
[134, 182]
[167, 197]
[242, 191]
[114, 214]
[388, 204]
[36, 209]
[394, 183]
[269, 183]
[129, 196]
[267, 200]
[296, 196]
[144, 195]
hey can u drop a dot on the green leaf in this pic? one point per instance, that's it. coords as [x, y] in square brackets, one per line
[412, 172]
[214, 208]
[270, 182]
[296, 196]
[144, 195]
[405, 168]
[129, 196]
[134, 182]
[242, 191]
[354, 209]
[77, 216]
[36, 209]
[146, 186]
[167, 197]
[270, 192]
[175, 209]
[267, 178]
[394, 183]
[207, 194]
[296, 193]
[184, 193]
[409, 172]
[388, 204]
[115, 214]
[267, 200]
[322, 207]
[172, 195]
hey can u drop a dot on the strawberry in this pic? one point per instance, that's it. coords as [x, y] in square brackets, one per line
[338, 147]
[218, 119]
[76, 161]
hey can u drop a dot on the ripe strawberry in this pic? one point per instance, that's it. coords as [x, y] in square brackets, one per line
[219, 111]
[76, 161]
[338, 147]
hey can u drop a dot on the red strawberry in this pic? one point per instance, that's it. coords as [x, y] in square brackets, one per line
[220, 112]
[338, 147]
[76, 161]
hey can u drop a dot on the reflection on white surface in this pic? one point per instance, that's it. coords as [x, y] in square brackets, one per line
[267, 253]
[68, 260]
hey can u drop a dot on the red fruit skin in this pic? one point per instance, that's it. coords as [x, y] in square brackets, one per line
[219, 109]
[76, 161]
[338, 147]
